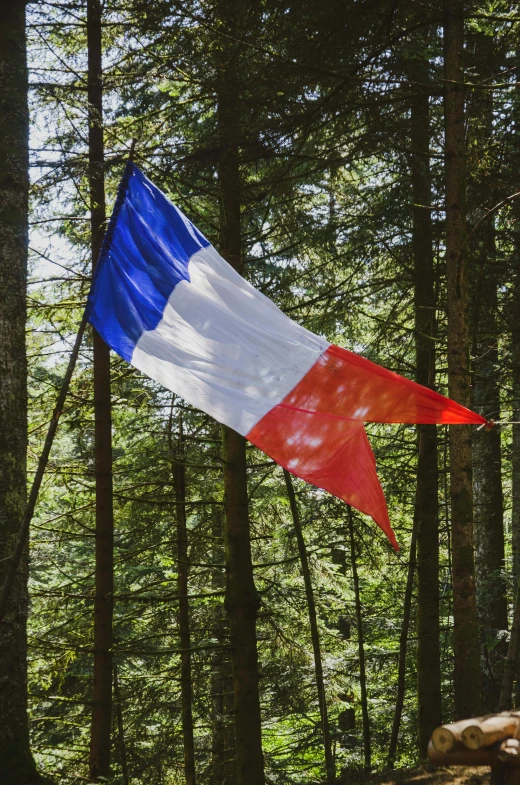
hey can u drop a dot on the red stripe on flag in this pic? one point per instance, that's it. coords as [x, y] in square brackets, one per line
[343, 384]
[333, 454]
[317, 431]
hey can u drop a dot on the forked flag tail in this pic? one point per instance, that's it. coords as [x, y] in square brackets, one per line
[333, 454]
[168, 303]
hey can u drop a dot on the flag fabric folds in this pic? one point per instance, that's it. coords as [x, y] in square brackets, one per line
[168, 303]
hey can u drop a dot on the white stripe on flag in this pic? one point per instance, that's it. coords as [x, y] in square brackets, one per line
[225, 347]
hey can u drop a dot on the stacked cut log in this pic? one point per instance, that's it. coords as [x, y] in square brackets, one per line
[483, 741]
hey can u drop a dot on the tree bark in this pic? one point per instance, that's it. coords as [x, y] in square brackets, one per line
[242, 600]
[487, 477]
[512, 662]
[179, 480]
[223, 757]
[465, 625]
[361, 646]
[16, 763]
[403, 645]
[426, 500]
[487, 465]
[515, 404]
[510, 672]
[100, 736]
[515, 342]
[242, 604]
[330, 766]
[125, 779]
[513, 657]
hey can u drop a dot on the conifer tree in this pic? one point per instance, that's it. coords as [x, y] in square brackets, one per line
[487, 467]
[103, 604]
[426, 501]
[16, 763]
[465, 627]
[242, 600]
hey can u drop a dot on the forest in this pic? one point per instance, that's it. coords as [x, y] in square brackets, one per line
[184, 610]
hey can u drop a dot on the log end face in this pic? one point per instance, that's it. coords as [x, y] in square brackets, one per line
[472, 737]
[443, 739]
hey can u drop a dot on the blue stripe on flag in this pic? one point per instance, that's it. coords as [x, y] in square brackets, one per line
[148, 253]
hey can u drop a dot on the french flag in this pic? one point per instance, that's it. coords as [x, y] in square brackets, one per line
[169, 304]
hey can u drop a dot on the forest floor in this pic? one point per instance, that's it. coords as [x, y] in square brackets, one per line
[427, 775]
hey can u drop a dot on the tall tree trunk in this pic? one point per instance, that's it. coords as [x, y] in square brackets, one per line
[361, 646]
[179, 480]
[120, 729]
[515, 404]
[242, 600]
[426, 498]
[511, 668]
[515, 344]
[330, 766]
[510, 671]
[403, 645]
[242, 604]
[465, 625]
[487, 465]
[223, 758]
[487, 484]
[103, 600]
[16, 763]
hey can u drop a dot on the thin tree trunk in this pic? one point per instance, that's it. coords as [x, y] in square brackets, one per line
[223, 758]
[515, 361]
[403, 644]
[179, 479]
[515, 414]
[120, 728]
[513, 656]
[511, 668]
[330, 766]
[465, 625]
[515, 345]
[242, 604]
[487, 464]
[487, 475]
[361, 646]
[242, 600]
[427, 492]
[103, 600]
[16, 763]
